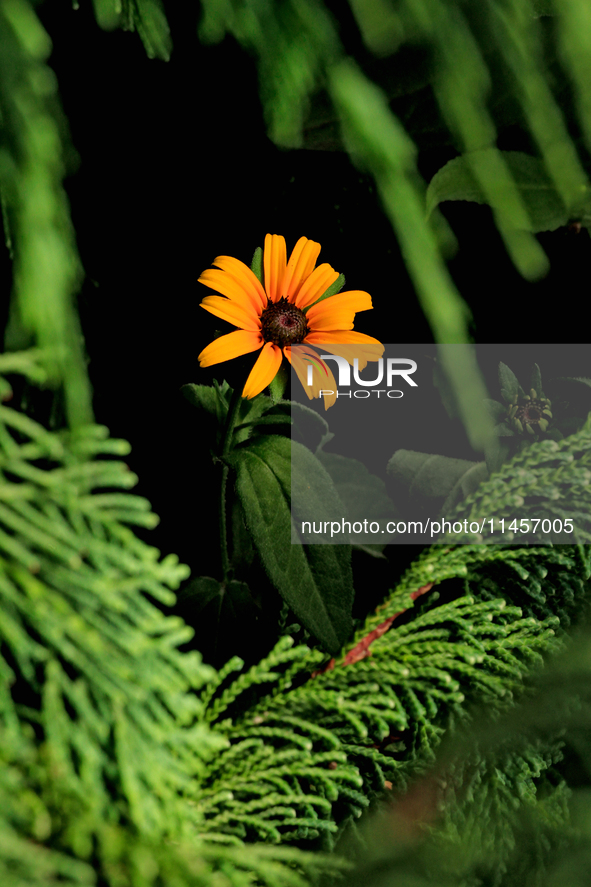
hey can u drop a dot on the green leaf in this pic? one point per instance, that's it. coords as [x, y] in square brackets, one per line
[219, 611]
[153, 29]
[466, 484]
[261, 410]
[496, 453]
[309, 427]
[269, 419]
[582, 380]
[426, 477]
[107, 13]
[256, 266]
[212, 400]
[497, 410]
[510, 387]
[536, 380]
[315, 580]
[546, 211]
[145, 16]
[373, 549]
[362, 493]
[202, 591]
[209, 399]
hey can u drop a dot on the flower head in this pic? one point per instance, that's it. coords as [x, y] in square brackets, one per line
[288, 310]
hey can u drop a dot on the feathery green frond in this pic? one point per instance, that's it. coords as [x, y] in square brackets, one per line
[311, 751]
[36, 215]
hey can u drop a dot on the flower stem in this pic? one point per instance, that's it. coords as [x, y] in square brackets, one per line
[232, 415]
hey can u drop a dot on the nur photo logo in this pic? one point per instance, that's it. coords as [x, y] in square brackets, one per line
[388, 371]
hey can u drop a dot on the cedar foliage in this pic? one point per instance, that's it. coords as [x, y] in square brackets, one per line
[107, 748]
[126, 761]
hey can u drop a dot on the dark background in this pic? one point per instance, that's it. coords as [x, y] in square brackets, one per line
[174, 169]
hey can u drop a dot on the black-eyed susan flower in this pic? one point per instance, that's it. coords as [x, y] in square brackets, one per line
[288, 310]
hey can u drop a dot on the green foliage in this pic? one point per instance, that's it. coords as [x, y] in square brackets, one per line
[147, 17]
[126, 761]
[36, 216]
[107, 749]
[306, 757]
[436, 485]
[290, 72]
[539, 196]
[547, 482]
[315, 581]
[103, 741]
[495, 807]
[363, 495]
[74, 587]
[428, 479]
[278, 484]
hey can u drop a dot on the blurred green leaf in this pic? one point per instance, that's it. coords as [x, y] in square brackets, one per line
[147, 17]
[47, 271]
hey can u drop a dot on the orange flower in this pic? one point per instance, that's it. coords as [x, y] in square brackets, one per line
[287, 311]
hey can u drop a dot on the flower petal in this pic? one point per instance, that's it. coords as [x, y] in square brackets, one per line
[264, 370]
[230, 346]
[228, 286]
[247, 279]
[300, 265]
[274, 260]
[232, 311]
[322, 378]
[348, 344]
[316, 285]
[338, 312]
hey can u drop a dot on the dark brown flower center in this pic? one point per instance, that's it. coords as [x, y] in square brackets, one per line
[530, 413]
[283, 323]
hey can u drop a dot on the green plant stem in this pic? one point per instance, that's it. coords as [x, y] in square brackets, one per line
[233, 411]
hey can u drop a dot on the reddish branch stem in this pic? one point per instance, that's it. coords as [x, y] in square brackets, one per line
[361, 650]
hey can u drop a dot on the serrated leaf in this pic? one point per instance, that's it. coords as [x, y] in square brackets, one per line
[309, 427]
[206, 398]
[580, 379]
[536, 380]
[546, 211]
[496, 410]
[503, 430]
[509, 383]
[271, 419]
[261, 410]
[315, 580]
[211, 401]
